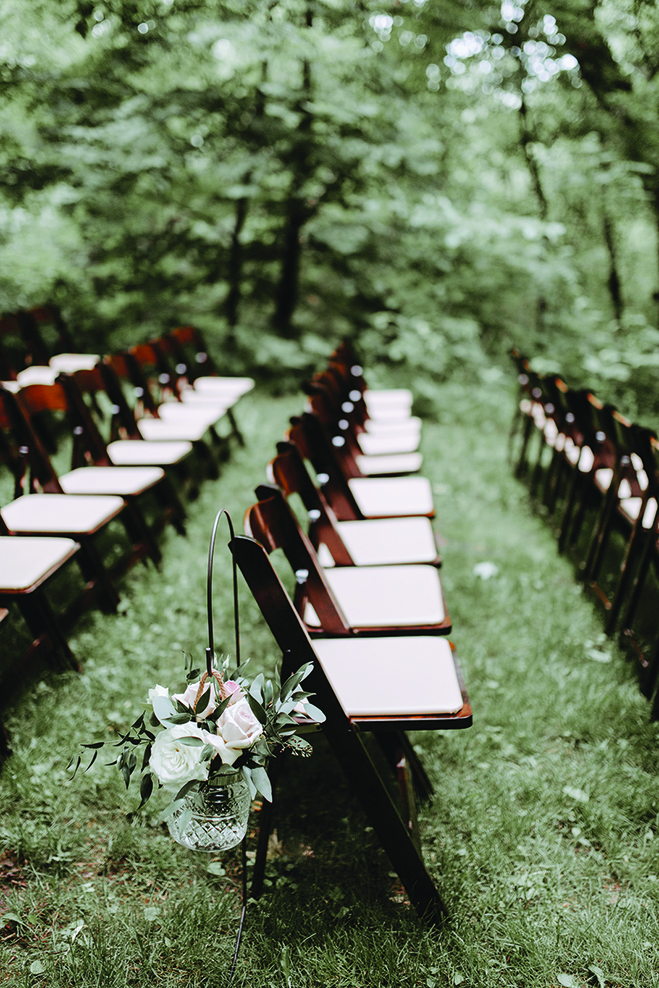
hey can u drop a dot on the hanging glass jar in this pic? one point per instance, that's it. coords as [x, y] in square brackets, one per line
[213, 817]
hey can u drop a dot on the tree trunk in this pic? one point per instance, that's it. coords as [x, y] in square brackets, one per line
[298, 213]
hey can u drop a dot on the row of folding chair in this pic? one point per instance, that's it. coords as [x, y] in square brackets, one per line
[367, 605]
[595, 476]
[97, 456]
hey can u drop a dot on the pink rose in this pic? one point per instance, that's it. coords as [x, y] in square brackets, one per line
[190, 696]
[239, 728]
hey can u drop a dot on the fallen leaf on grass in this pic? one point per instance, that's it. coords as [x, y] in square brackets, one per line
[578, 794]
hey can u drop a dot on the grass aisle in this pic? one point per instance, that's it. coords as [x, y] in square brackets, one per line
[541, 834]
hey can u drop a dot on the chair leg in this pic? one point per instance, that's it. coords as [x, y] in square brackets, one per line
[94, 571]
[384, 817]
[234, 427]
[634, 549]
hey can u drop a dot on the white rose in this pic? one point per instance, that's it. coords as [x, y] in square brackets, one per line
[190, 695]
[158, 691]
[238, 727]
[175, 763]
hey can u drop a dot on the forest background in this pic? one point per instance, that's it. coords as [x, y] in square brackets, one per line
[437, 179]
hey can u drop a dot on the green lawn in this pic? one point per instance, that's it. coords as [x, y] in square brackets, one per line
[541, 835]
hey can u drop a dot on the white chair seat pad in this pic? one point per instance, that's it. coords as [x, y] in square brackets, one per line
[71, 362]
[391, 676]
[373, 466]
[386, 596]
[138, 452]
[406, 427]
[402, 397]
[389, 541]
[379, 444]
[37, 374]
[631, 507]
[177, 412]
[157, 430]
[387, 497]
[123, 481]
[27, 562]
[205, 400]
[231, 387]
[60, 513]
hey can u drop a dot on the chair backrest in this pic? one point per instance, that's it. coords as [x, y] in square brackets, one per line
[47, 323]
[285, 624]
[96, 397]
[156, 368]
[288, 471]
[76, 430]
[23, 453]
[311, 440]
[272, 523]
[134, 382]
[191, 351]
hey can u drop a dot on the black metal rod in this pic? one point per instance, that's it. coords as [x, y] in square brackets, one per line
[210, 651]
[210, 656]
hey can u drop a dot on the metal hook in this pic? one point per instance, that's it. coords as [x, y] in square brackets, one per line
[210, 651]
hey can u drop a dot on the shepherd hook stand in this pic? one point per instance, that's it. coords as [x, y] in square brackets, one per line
[210, 656]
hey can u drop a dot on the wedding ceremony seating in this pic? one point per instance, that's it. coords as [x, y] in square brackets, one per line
[405, 599]
[358, 686]
[592, 473]
[83, 495]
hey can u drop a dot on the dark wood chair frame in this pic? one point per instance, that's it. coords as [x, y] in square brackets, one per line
[288, 471]
[346, 737]
[125, 370]
[274, 525]
[310, 438]
[33, 472]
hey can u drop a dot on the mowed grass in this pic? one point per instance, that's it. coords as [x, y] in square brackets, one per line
[542, 836]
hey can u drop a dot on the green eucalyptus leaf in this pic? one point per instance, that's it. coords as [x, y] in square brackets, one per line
[192, 742]
[256, 689]
[219, 710]
[247, 775]
[169, 809]
[147, 755]
[257, 709]
[315, 713]
[262, 782]
[188, 787]
[164, 710]
[146, 788]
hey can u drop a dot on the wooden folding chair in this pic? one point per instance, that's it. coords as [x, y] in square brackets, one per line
[100, 409]
[196, 365]
[636, 597]
[145, 412]
[46, 323]
[358, 497]
[348, 453]
[17, 347]
[371, 438]
[598, 462]
[347, 600]
[28, 568]
[380, 687]
[383, 404]
[91, 471]
[372, 542]
[44, 510]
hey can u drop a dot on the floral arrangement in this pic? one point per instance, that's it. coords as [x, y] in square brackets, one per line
[211, 727]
